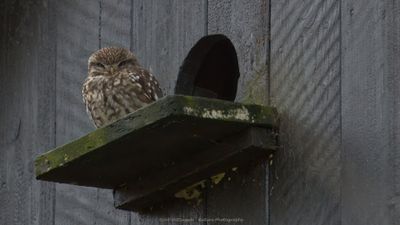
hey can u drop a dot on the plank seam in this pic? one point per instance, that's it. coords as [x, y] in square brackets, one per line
[269, 54]
[205, 17]
[131, 27]
[100, 14]
[269, 183]
[340, 107]
[53, 19]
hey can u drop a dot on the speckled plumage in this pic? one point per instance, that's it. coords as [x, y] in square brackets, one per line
[116, 85]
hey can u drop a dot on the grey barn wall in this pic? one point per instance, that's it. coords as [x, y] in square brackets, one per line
[245, 23]
[27, 115]
[371, 113]
[305, 87]
[330, 67]
[162, 40]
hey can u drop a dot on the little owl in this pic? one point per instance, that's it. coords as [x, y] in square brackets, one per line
[116, 85]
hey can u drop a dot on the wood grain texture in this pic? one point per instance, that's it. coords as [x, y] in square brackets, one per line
[334, 76]
[116, 23]
[3, 117]
[27, 116]
[331, 63]
[115, 30]
[180, 124]
[370, 112]
[163, 31]
[305, 87]
[246, 24]
[77, 37]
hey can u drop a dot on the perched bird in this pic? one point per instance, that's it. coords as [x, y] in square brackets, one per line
[116, 85]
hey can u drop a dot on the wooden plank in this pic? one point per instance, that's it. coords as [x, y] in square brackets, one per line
[27, 115]
[115, 30]
[106, 157]
[77, 37]
[246, 24]
[116, 23]
[5, 118]
[163, 31]
[370, 112]
[305, 87]
[5, 115]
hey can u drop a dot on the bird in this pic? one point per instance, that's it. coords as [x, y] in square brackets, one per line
[117, 85]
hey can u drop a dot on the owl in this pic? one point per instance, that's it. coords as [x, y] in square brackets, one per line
[116, 85]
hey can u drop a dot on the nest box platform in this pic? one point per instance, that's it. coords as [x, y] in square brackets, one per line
[162, 147]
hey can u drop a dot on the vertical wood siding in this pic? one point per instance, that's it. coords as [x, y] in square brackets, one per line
[245, 23]
[305, 87]
[331, 67]
[371, 113]
[27, 111]
[163, 31]
[77, 31]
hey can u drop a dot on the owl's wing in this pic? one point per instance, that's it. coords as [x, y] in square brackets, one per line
[86, 98]
[149, 85]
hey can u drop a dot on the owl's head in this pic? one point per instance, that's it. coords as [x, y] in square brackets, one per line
[111, 61]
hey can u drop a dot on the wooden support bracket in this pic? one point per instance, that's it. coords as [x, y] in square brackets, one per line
[252, 144]
[152, 153]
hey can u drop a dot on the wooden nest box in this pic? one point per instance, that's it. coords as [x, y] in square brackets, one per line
[179, 140]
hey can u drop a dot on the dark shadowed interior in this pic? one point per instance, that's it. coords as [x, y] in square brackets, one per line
[210, 69]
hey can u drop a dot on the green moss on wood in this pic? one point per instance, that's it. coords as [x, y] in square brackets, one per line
[60, 156]
[170, 106]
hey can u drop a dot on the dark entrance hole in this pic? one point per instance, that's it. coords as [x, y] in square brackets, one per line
[210, 69]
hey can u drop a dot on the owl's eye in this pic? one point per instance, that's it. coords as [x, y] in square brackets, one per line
[100, 65]
[124, 63]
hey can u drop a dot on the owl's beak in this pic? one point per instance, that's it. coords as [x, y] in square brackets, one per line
[113, 68]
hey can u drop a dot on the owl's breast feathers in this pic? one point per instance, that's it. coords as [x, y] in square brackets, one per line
[109, 98]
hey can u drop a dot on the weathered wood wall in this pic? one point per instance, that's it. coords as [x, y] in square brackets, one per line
[305, 86]
[27, 116]
[331, 67]
[370, 112]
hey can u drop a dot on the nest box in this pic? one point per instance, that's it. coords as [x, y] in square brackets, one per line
[153, 153]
